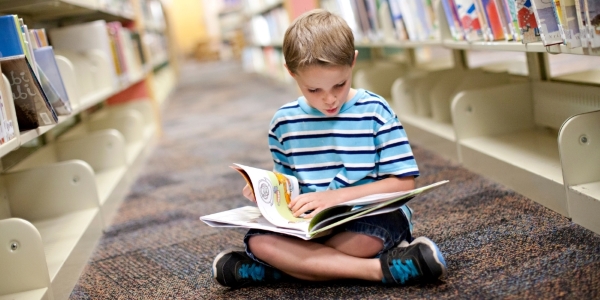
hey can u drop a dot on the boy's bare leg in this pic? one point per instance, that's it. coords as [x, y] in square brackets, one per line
[345, 255]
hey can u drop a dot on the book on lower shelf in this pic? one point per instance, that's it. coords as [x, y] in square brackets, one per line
[273, 192]
[31, 104]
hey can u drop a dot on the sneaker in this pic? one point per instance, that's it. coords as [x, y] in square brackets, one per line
[233, 268]
[417, 262]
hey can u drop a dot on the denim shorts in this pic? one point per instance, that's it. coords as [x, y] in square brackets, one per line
[392, 228]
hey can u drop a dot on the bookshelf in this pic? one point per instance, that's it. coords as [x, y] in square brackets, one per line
[496, 107]
[82, 166]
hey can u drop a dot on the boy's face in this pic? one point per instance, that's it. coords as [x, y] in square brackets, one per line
[326, 88]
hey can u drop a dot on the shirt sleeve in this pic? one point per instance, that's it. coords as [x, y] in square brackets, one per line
[395, 154]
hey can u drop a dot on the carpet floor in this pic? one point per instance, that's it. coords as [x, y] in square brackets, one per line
[497, 243]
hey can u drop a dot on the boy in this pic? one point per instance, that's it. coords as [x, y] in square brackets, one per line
[341, 143]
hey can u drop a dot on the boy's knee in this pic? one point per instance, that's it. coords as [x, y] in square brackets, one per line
[259, 244]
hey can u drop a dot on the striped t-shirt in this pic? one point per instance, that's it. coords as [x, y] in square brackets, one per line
[365, 142]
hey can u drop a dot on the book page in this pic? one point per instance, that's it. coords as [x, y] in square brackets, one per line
[273, 192]
[251, 217]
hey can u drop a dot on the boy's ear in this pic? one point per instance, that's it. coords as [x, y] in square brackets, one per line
[355, 56]
[290, 72]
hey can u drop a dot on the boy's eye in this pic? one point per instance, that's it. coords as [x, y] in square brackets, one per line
[341, 84]
[312, 90]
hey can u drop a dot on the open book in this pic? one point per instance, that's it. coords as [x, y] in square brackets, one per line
[273, 191]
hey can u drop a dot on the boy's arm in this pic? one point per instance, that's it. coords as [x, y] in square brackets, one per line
[318, 201]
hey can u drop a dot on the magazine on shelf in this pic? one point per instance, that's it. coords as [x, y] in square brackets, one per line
[53, 85]
[570, 23]
[545, 14]
[592, 14]
[273, 191]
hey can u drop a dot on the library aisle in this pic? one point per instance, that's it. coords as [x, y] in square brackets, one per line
[497, 243]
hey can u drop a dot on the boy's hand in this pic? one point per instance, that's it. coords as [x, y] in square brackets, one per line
[312, 203]
[247, 192]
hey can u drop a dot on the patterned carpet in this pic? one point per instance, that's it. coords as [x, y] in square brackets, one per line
[497, 243]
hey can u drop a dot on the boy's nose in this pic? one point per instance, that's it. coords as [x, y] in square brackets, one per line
[330, 99]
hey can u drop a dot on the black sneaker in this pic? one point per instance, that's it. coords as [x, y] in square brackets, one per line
[233, 268]
[418, 262]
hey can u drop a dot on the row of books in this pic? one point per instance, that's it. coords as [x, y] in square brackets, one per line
[28, 58]
[28, 62]
[268, 28]
[575, 23]
[387, 20]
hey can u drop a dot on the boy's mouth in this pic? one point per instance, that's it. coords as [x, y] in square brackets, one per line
[331, 111]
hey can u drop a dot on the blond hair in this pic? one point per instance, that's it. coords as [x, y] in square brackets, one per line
[318, 37]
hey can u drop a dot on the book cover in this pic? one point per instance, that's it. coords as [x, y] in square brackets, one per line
[31, 105]
[494, 22]
[592, 9]
[47, 63]
[10, 41]
[274, 191]
[469, 18]
[572, 33]
[530, 31]
[545, 14]
[453, 20]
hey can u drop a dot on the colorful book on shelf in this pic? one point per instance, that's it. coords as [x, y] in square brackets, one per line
[273, 191]
[571, 26]
[469, 18]
[430, 20]
[27, 45]
[530, 32]
[545, 14]
[506, 20]
[375, 31]
[115, 36]
[397, 20]
[511, 10]
[51, 80]
[31, 104]
[582, 22]
[415, 20]
[452, 19]
[492, 15]
[592, 14]
[10, 39]
[363, 19]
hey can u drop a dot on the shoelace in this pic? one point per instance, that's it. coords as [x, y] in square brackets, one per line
[254, 271]
[402, 271]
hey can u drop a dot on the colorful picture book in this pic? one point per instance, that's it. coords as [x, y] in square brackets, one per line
[545, 14]
[273, 191]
